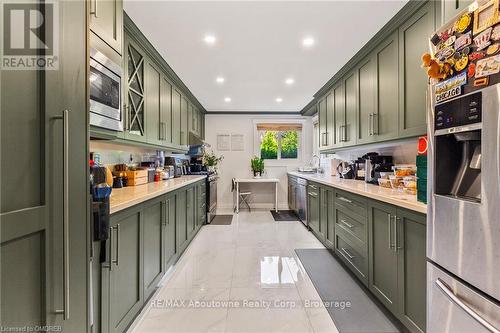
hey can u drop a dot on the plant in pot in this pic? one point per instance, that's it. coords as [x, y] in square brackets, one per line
[210, 160]
[257, 165]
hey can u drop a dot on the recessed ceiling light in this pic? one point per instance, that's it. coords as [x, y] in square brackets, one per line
[227, 99]
[279, 99]
[209, 39]
[219, 79]
[289, 81]
[308, 41]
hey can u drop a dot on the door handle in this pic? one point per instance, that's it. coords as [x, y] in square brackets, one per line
[443, 286]
[370, 118]
[94, 11]
[350, 226]
[397, 245]
[345, 200]
[110, 250]
[389, 220]
[66, 288]
[347, 253]
[375, 128]
[117, 244]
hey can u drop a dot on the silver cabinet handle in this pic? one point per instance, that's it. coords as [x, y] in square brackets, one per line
[370, 123]
[397, 245]
[313, 186]
[312, 194]
[347, 253]
[110, 249]
[461, 304]
[389, 220]
[167, 213]
[375, 128]
[350, 226]
[94, 11]
[345, 200]
[117, 244]
[65, 119]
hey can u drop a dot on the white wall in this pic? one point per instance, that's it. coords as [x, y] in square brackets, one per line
[237, 163]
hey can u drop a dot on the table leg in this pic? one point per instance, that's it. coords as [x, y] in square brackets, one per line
[276, 197]
[237, 197]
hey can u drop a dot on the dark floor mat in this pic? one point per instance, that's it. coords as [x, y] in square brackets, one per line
[222, 220]
[284, 215]
[334, 283]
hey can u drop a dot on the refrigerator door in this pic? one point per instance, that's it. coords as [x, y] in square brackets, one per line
[463, 236]
[455, 308]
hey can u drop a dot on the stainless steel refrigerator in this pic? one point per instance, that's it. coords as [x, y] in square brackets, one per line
[463, 221]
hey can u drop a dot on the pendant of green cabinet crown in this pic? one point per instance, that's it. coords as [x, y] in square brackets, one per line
[412, 79]
[106, 21]
[153, 263]
[122, 274]
[43, 251]
[135, 115]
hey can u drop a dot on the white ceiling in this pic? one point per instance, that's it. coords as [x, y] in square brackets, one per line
[258, 45]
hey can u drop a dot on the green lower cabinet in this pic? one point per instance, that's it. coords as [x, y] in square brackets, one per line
[313, 209]
[169, 248]
[201, 203]
[181, 239]
[330, 219]
[154, 222]
[191, 212]
[397, 262]
[122, 278]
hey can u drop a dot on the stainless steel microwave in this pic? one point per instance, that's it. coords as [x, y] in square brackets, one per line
[105, 92]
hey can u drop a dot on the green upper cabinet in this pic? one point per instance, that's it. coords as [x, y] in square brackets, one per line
[165, 111]
[154, 126]
[348, 132]
[451, 8]
[184, 120]
[176, 116]
[323, 142]
[384, 121]
[338, 115]
[330, 119]
[366, 100]
[106, 21]
[412, 78]
[135, 115]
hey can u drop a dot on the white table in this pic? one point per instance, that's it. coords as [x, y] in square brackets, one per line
[256, 180]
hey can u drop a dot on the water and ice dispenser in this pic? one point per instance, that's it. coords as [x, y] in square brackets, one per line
[457, 126]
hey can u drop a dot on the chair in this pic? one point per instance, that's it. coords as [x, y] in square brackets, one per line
[244, 196]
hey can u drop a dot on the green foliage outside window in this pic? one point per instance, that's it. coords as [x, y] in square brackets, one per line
[272, 140]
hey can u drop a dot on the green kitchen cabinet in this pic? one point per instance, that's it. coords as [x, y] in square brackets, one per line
[155, 131]
[383, 254]
[330, 119]
[313, 209]
[135, 115]
[169, 248]
[412, 79]
[122, 275]
[323, 132]
[176, 116]
[327, 216]
[165, 110]
[106, 21]
[201, 203]
[191, 212]
[366, 100]
[181, 239]
[338, 115]
[348, 131]
[44, 247]
[184, 120]
[384, 120]
[452, 8]
[154, 222]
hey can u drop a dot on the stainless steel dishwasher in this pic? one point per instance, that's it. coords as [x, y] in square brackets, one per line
[301, 200]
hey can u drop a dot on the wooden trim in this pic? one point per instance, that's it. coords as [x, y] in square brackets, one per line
[278, 127]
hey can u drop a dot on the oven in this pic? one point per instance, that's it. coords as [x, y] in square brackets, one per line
[211, 197]
[105, 91]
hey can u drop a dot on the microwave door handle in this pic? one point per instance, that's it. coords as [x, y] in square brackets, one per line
[461, 304]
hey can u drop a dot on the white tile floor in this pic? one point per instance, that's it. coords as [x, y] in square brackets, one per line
[227, 267]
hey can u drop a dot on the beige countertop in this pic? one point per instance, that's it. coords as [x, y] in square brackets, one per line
[122, 198]
[360, 187]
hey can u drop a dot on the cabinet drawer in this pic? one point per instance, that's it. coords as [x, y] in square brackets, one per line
[352, 226]
[353, 258]
[351, 203]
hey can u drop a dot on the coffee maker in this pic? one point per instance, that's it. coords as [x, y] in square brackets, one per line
[374, 165]
[176, 163]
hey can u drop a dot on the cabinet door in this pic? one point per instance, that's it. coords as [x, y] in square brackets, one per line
[348, 132]
[366, 100]
[412, 79]
[330, 223]
[313, 208]
[383, 269]
[330, 119]
[125, 283]
[385, 119]
[154, 220]
[184, 120]
[339, 115]
[451, 8]
[411, 235]
[176, 116]
[106, 21]
[135, 117]
[191, 209]
[154, 128]
[181, 221]
[32, 242]
[323, 213]
[169, 232]
[165, 110]
[323, 139]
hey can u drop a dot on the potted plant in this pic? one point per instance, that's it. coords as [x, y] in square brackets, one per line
[257, 165]
[210, 160]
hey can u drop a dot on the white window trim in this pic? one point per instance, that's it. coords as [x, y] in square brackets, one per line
[280, 162]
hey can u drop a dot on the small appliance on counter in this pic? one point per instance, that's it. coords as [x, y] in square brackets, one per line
[374, 165]
[100, 192]
[359, 169]
[176, 163]
[345, 170]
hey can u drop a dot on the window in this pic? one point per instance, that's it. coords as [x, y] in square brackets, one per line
[279, 141]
